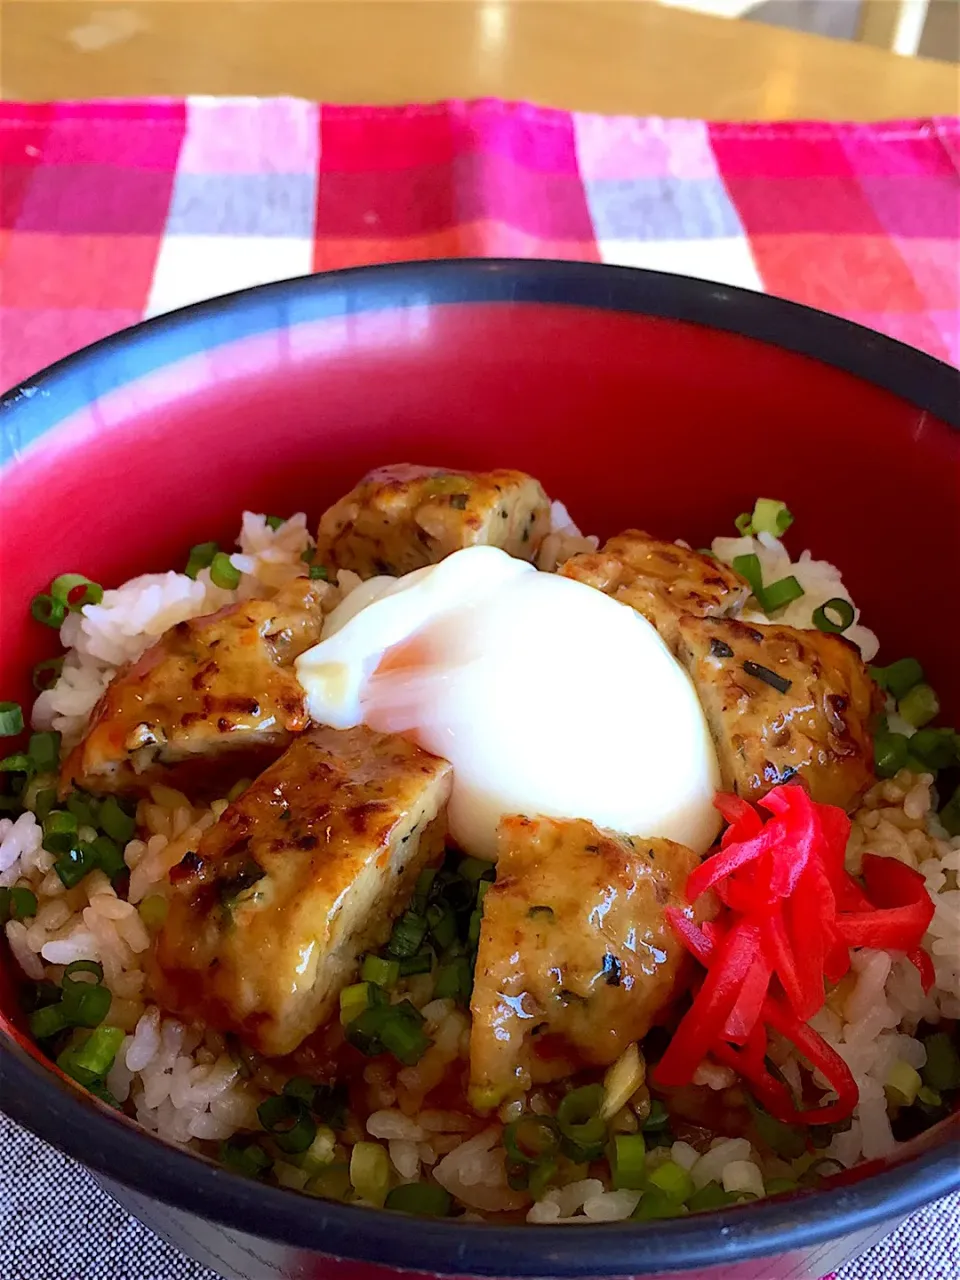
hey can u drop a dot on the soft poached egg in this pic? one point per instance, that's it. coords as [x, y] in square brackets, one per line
[547, 697]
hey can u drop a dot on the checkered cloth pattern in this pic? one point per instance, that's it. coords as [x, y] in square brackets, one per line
[112, 211]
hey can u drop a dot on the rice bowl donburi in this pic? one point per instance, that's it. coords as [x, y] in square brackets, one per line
[449, 862]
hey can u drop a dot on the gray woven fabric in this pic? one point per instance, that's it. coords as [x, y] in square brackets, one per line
[57, 1224]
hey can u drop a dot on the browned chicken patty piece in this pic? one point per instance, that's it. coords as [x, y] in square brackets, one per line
[576, 959]
[403, 517]
[783, 703]
[212, 685]
[661, 580]
[303, 873]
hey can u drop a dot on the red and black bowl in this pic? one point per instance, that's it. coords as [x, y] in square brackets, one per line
[637, 398]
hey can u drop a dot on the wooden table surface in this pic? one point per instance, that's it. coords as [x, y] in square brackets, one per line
[630, 56]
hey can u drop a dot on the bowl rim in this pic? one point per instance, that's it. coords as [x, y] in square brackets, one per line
[123, 1153]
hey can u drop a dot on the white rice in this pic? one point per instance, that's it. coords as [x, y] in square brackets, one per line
[821, 581]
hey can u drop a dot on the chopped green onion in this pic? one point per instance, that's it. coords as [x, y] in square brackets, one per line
[580, 1122]
[771, 516]
[75, 590]
[659, 1117]
[407, 936]
[744, 523]
[46, 674]
[59, 831]
[474, 869]
[47, 1021]
[44, 751]
[11, 719]
[288, 1122]
[39, 796]
[317, 572]
[454, 980]
[928, 1097]
[748, 567]
[301, 1088]
[531, 1139]
[773, 1187]
[17, 903]
[541, 1175]
[890, 753]
[201, 557]
[443, 925]
[713, 1196]
[18, 763]
[473, 931]
[949, 815]
[84, 808]
[73, 864]
[904, 1082]
[385, 973]
[673, 1180]
[936, 748]
[241, 1155]
[82, 966]
[423, 1198]
[321, 1152]
[108, 856]
[370, 1171]
[899, 678]
[46, 609]
[422, 962]
[98, 1051]
[275, 522]
[628, 1162]
[223, 574]
[153, 911]
[942, 1068]
[781, 593]
[354, 1000]
[116, 822]
[655, 1203]
[402, 1034]
[424, 884]
[333, 1182]
[784, 1140]
[919, 705]
[838, 619]
[238, 788]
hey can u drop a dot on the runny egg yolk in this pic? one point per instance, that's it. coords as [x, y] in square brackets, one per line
[547, 697]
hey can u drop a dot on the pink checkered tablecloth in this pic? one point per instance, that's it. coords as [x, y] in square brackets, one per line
[112, 211]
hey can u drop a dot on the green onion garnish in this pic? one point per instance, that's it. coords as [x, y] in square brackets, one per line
[654, 1204]
[659, 1117]
[949, 815]
[44, 751]
[244, 1156]
[919, 705]
[17, 903]
[929, 1098]
[116, 822]
[422, 962]
[86, 1004]
[370, 1171]
[402, 1033]
[581, 1124]
[46, 674]
[443, 925]
[301, 1088]
[59, 831]
[46, 609]
[288, 1122]
[74, 590]
[275, 522]
[223, 574]
[942, 1069]
[407, 936]
[475, 869]
[673, 1180]
[834, 616]
[83, 807]
[96, 1054]
[781, 593]
[73, 864]
[11, 719]
[318, 572]
[713, 1196]
[201, 557]
[108, 856]
[18, 763]
[354, 1000]
[936, 748]
[425, 1199]
[454, 981]
[899, 678]
[531, 1139]
[47, 1022]
[768, 516]
[43, 802]
[628, 1162]
[385, 973]
[890, 753]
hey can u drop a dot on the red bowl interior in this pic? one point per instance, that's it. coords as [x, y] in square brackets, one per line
[630, 420]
